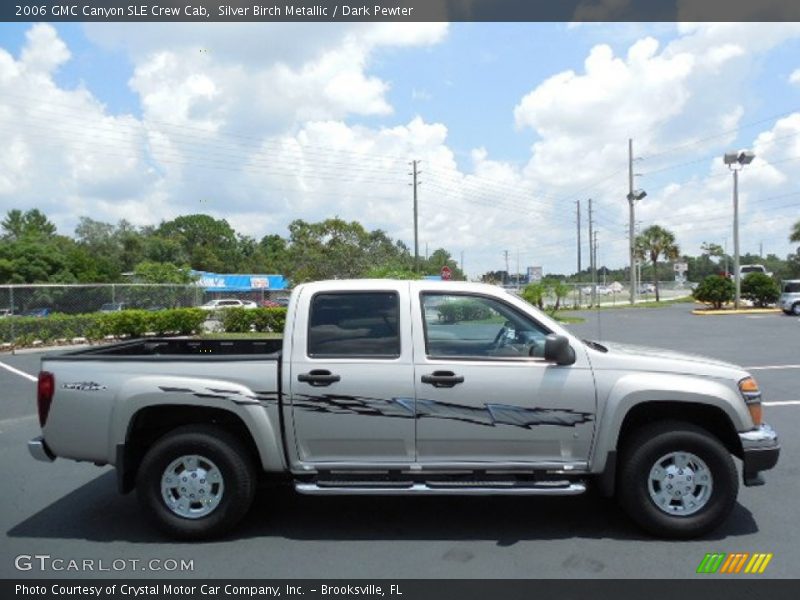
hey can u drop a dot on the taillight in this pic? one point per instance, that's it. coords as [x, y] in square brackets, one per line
[44, 395]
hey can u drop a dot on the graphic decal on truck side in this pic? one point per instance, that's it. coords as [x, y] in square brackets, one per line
[490, 414]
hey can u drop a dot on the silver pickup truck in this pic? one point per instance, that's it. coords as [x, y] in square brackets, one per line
[407, 387]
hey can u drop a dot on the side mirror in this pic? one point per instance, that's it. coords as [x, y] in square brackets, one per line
[558, 350]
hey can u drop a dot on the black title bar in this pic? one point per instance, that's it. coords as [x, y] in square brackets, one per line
[700, 588]
[402, 10]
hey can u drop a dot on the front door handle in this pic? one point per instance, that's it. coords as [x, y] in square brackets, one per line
[318, 378]
[443, 379]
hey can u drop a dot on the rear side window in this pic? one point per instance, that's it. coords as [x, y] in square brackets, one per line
[358, 324]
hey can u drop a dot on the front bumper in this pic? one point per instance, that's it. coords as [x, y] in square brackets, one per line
[39, 450]
[760, 451]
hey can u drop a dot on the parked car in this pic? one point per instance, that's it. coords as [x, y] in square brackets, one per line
[223, 303]
[276, 302]
[602, 290]
[38, 312]
[112, 307]
[6, 312]
[369, 394]
[647, 288]
[789, 300]
[745, 270]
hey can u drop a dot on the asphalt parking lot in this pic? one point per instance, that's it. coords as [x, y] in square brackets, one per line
[72, 511]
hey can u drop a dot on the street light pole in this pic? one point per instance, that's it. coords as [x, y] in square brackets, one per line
[736, 276]
[631, 218]
[736, 162]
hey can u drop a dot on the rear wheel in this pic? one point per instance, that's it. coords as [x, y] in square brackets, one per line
[677, 480]
[196, 482]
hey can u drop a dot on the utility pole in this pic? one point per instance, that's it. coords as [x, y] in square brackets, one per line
[461, 264]
[508, 274]
[415, 173]
[631, 221]
[517, 274]
[736, 276]
[578, 273]
[761, 249]
[591, 255]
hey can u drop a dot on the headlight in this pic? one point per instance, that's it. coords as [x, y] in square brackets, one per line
[752, 397]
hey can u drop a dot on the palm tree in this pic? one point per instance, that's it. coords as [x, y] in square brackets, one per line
[654, 242]
[795, 235]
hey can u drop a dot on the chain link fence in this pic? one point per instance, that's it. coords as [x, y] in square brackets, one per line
[22, 305]
[581, 295]
[72, 299]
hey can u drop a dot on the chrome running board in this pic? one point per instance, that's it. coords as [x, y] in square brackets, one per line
[439, 489]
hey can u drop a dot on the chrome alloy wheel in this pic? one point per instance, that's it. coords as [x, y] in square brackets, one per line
[680, 483]
[192, 486]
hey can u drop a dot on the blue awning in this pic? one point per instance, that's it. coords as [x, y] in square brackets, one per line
[216, 282]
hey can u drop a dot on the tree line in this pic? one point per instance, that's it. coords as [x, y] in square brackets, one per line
[32, 251]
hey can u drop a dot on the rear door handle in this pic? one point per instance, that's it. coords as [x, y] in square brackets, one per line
[318, 378]
[443, 379]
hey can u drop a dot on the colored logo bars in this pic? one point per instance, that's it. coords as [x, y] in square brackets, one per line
[737, 562]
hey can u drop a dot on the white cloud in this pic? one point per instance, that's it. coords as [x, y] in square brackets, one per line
[795, 77]
[256, 124]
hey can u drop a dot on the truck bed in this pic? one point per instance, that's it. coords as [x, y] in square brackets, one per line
[179, 349]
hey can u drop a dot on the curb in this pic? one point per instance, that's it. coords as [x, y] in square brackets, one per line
[742, 311]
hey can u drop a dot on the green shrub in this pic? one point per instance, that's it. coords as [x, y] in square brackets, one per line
[184, 320]
[278, 314]
[463, 310]
[534, 293]
[715, 290]
[760, 289]
[23, 330]
[132, 323]
[237, 320]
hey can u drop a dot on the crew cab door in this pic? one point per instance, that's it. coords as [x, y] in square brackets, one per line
[485, 394]
[352, 376]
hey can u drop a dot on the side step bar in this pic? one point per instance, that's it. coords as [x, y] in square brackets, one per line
[437, 489]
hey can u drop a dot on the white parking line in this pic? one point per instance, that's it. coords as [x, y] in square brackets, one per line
[27, 376]
[772, 367]
[783, 403]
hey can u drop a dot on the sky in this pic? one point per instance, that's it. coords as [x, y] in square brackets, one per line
[512, 124]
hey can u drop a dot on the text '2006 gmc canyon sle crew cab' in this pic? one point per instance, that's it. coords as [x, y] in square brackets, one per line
[408, 387]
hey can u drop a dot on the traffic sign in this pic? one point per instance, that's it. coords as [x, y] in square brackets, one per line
[446, 273]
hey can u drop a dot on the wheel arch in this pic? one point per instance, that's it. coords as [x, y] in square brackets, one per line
[710, 418]
[151, 423]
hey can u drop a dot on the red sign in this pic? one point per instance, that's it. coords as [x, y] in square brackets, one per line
[446, 273]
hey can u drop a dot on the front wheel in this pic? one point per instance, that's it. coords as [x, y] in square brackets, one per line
[796, 309]
[677, 480]
[196, 482]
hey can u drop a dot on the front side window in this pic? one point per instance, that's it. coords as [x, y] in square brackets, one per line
[359, 324]
[463, 326]
[792, 288]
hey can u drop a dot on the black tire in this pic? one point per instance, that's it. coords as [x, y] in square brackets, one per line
[647, 446]
[796, 309]
[227, 453]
